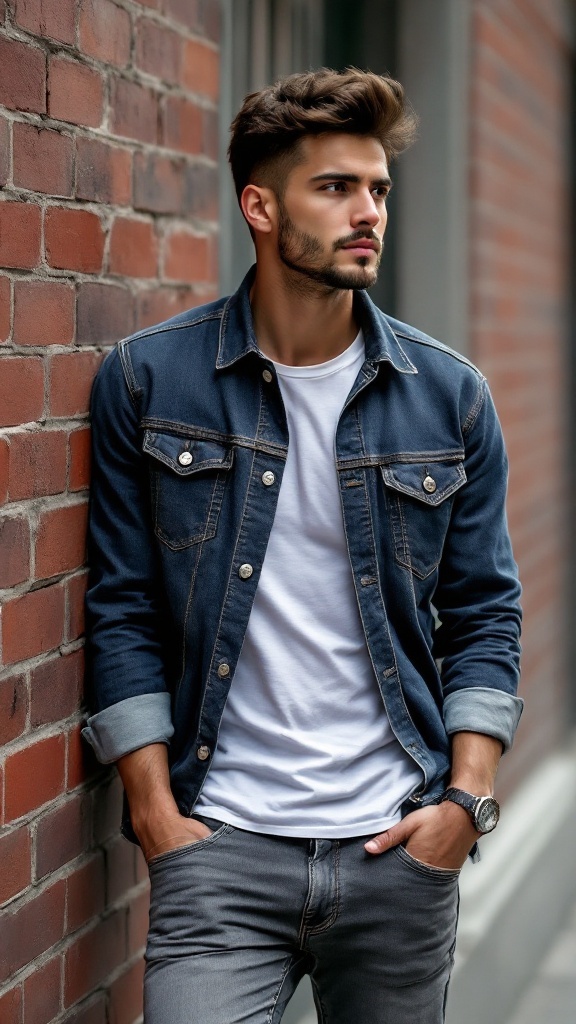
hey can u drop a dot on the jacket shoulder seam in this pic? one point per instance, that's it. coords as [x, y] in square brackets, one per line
[430, 343]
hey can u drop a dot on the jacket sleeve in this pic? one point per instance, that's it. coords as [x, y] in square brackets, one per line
[127, 691]
[477, 597]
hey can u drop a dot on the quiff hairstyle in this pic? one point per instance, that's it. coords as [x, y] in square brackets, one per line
[267, 130]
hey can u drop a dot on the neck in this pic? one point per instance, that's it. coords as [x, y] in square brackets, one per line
[297, 321]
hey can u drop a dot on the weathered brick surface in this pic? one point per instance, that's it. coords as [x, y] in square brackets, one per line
[22, 76]
[519, 288]
[55, 19]
[43, 160]
[37, 464]
[14, 551]
[107, 220]
[20, 232]
[104, 30]
[74, 239]
[103, 172]
[43, 313]
[43, 993]
[75, 92]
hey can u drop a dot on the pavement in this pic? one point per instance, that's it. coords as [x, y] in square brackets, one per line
[550, 997]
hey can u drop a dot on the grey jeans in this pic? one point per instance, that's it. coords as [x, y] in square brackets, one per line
[238, 918]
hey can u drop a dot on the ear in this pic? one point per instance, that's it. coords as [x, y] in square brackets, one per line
[259, 207]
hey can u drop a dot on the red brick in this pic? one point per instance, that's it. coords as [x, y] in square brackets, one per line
[200, 69]
[43, 313]
[34, 776]
[107, 801]
[22, 76]
[4, 469]
[5, 307]
[75, 93]
[121, 867]
[56, 688]
[86, 887]
[43, 160]
[55, 19]
[134, 111]
[13, 701]
[210, 137]
[4, 150]
[103, 172]
[94, 956]
[76, 592]
[82, 762]
[159, 183]
[74, 240]
[62, 834]
[14, 551]
[105, 31]
[71, 377]
[21, 390]
[126, 995]
[80, 454]
[160, 304]
[186, 12]
[42, 993]
[133, 248]
[20, 231]
[138, 914]
[32, 624]
[11, 1006]
[182, 125]
[31, 929]
[15, 855]
[158, 51]
[186, 257]
[61, 540]
[201, 192]
[105, 313]
[37, 464]
[93, 1011]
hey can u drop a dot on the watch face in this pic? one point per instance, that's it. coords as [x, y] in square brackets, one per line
[487, 815]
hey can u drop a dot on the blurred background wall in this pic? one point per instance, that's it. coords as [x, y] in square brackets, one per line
[114, 116]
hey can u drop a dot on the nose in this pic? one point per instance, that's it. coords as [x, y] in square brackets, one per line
[367, 211]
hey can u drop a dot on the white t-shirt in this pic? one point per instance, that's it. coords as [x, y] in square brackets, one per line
[305, 747]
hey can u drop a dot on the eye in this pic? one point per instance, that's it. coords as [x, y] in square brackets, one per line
[382, 191]
[335, 186]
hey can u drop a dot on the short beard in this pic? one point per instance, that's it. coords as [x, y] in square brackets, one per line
[304, 253]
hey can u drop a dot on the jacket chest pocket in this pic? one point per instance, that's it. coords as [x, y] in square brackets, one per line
[420, 498]
[187, 479]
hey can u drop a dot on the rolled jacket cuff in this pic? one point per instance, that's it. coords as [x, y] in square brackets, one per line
[129, 725]
[482, 709]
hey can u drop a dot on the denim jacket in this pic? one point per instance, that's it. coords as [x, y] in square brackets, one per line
[187, 418]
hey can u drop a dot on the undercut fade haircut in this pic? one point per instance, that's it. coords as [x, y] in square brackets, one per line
[269, 127]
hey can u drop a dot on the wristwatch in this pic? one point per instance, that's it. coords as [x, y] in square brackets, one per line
[484, 810]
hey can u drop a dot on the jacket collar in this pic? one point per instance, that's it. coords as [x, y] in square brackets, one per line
[237, 336]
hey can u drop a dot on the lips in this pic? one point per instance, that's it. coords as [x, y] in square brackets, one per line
[362, 243]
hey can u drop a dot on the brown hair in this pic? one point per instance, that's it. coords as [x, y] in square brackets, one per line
[268, 128]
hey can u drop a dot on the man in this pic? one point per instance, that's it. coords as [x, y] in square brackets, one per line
[297, 516]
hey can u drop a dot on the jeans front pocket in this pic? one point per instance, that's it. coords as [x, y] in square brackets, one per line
[429, 870]
[420, 497]
[188, 848]
[187, 479]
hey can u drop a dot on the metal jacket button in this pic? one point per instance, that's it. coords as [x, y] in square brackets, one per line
[223, 670]
[245, 571]
[267, 376]
[268, 478]
[429, 484]
[203, 753]
[185, 458]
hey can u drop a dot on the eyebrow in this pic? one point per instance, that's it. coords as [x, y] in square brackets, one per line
[354, 179]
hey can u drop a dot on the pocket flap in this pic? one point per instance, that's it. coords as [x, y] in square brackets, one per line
[186, 456]
[429, 482]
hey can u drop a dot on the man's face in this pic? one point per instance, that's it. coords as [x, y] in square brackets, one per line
[332, 216]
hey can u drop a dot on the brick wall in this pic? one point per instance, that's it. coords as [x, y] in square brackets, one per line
[519, 279]
[108, 194]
